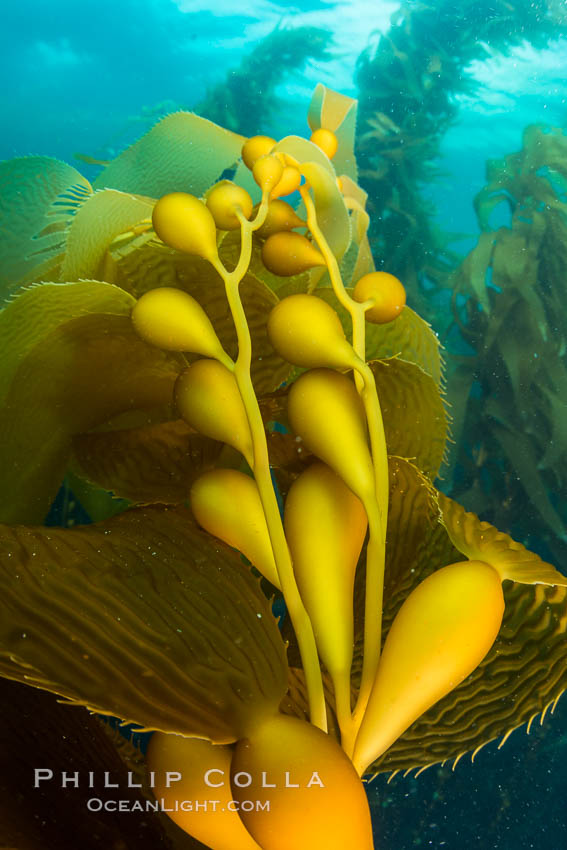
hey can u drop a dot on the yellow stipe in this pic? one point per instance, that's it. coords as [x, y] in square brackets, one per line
[377, 506]
[298, 614]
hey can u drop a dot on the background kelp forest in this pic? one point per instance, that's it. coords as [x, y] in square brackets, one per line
[500, 312]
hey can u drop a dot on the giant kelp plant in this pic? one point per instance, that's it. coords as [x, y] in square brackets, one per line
[408, 84]
[510, 416]
[183, 350]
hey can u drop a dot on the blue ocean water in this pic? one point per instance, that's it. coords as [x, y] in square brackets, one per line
[91, 78]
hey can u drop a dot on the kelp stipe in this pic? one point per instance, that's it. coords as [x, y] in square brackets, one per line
[161, 376]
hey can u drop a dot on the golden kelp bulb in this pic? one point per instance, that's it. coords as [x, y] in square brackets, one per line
[226, 503]
[306, 331]
[325, 409]
[256, 147]
[289, 253]
[316, 800]
[281, 216]
[386, 291]
[326, 140]
[325, 526]
[183, 222]
[267, 172]
[222, 201]
[207, 397]
[171, 319]
[289, 182]
[182, 769]
[440, 635]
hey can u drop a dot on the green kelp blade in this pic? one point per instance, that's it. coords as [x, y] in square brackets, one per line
[72, 363]
[525, 670]
[332, 214]
[150, 264]
[98, 221]
[409, 337]
[143, 617]
[155, 463]
[336, 112]
[183, 152]
[358, 259]
[38, 196]
[415, 418]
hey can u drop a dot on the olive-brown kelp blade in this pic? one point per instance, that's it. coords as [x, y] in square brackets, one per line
[70, 352]
[143, 617]
[526, 668]
[415, 417]
[154, 463]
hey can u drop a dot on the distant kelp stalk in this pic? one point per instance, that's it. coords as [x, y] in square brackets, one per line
[409, 84]
[509, 399]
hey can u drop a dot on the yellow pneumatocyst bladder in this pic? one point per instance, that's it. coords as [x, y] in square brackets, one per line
[289, 182]
[325, 409]
[288, 253]
[440, 635]
[226, 503]
[255, 147]
[267, 172]
[326, 140]
[306, 331]
[207, 397]
[325, 525]
[172, 319]
[280, 216]
[183, 222]
[222, 202]
[220, 828]
[386, 291]
[309, 815]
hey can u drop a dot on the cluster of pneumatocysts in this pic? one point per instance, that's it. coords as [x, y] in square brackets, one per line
[312, 554]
